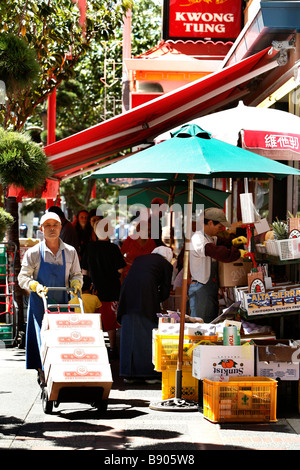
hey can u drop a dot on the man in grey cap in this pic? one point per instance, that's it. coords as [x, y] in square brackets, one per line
[206, 250]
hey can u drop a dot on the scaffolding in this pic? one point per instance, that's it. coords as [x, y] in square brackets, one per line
[8, 304]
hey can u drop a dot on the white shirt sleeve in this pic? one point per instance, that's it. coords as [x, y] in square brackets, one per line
[32, 258]
[200, 264]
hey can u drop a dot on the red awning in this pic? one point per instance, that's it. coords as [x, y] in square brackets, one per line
[49, 191]
[142, 124]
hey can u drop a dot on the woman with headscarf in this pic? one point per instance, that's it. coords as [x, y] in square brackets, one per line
[147, 283]
[138, 244]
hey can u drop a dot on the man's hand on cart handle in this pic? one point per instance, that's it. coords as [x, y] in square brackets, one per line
[41, 290]
[76, 285]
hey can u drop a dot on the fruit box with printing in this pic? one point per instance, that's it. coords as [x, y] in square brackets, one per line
[222, 362]
[277, 359]
[76, 375]
[273, 301]
[54, 321]
[75, 355]
[70, 337]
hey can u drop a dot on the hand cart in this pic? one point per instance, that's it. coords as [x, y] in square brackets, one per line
[91, 394]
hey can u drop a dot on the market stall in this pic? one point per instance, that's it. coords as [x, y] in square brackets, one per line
[242, 368]
[192, 153]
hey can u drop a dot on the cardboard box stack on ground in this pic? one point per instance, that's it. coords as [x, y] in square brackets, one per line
[74, 354]
[218, 362]
[277, 359]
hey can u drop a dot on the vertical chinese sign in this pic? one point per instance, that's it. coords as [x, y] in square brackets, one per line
[202, 19]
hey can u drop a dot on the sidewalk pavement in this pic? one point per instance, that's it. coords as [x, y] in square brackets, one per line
[128, 424]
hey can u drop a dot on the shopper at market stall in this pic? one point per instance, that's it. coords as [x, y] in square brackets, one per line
[84, 231]
[137, 244]
[205, 252]
[50, 263]
[103, 262]
[147, 283]
[157, 211]
[93, 218]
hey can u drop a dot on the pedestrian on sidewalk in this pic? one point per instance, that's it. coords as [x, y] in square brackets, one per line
[103, 262]
[68, 233]
[147, 283]
[50, 263]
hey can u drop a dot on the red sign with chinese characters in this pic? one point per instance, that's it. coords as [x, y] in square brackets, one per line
[277, 145]
[202, 19]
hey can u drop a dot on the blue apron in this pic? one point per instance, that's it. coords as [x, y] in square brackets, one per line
[49, 275]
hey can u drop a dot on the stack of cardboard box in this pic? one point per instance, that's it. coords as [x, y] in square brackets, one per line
[74, 354]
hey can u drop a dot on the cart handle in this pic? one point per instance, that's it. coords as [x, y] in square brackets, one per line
[68, 289]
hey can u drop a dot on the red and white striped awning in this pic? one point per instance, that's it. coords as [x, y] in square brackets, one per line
[94, 146]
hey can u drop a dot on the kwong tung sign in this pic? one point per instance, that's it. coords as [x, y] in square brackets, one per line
[201, 19]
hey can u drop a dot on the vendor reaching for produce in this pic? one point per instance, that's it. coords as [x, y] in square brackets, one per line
[205, 252]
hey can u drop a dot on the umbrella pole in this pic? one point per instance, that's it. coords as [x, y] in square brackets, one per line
[177, 403]
[184, 288]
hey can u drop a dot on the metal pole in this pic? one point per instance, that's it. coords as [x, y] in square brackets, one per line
[126, 55]
[178, 384]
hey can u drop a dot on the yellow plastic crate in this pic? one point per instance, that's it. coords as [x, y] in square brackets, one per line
[189, 385]
[166, 350]
[246, 399]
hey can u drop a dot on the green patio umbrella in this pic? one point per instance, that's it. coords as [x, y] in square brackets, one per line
[173, 192]
[192, 153]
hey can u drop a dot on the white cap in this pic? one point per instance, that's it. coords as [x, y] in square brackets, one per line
[49, 216]
[164, 251]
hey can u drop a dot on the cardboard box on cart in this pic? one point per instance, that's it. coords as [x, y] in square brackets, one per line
[75, 337]
[57, 321]
[75, 355]
[76, 375]
[277, 359]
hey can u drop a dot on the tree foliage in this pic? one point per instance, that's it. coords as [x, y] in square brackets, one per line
[22, 161]
[52, 31]
[86, 70]
[18, 65]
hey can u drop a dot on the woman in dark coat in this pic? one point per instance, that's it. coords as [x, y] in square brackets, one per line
[147, 283]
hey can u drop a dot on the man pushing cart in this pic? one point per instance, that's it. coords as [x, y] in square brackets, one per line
[67, 349]
[51, 263]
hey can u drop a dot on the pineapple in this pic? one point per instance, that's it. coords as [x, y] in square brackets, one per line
[280, 229]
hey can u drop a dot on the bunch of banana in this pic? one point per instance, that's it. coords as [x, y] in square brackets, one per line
[280, 230]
